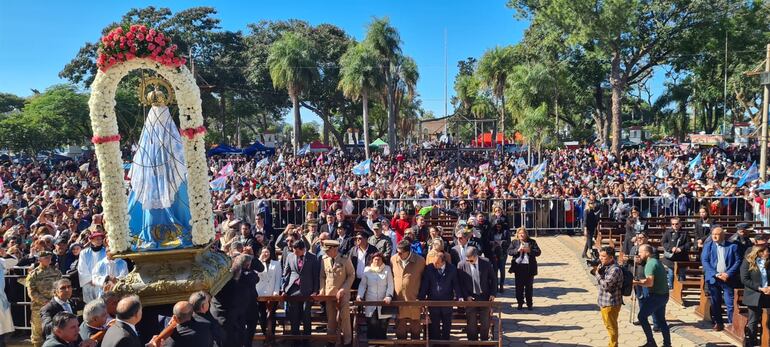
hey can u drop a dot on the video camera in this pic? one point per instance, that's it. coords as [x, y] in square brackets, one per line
[593, 261]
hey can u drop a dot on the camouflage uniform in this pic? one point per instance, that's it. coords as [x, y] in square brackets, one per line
[40, 289]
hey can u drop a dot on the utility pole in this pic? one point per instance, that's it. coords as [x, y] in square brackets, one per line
[765, 78]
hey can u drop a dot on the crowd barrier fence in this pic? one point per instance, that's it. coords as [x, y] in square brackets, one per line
[559, 215]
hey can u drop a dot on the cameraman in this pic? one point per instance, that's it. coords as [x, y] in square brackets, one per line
[610, 278]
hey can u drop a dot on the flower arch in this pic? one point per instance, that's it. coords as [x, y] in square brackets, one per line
[107, 146]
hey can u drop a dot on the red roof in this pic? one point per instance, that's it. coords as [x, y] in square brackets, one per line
[318, 145]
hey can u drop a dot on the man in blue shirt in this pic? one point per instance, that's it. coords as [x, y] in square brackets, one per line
[721, 265]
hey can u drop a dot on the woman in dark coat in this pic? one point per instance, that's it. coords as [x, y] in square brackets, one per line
[754, 274]
[703, 226]
[523, 252]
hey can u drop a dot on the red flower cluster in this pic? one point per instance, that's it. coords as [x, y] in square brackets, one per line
[191, 132]
[128, 42]
[98, 140]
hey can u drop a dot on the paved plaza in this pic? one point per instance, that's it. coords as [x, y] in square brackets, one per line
[566, 313]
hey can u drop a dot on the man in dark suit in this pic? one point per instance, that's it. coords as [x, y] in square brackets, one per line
[478, 282]
[721, 270]
[439, 283]
[329, 226]
[461, 245]
[123, 332]
[61, 302]
[201, 301]
[301, 274]
[188, 332]
[65, 332]
[94, 320]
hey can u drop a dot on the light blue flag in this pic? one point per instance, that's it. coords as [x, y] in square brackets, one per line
[659, 161]
[751, 174]
[538, 172]
[363, 167]
[695, 162]
[218, 184]
[263, 162]
[304, 150]
[765, 186]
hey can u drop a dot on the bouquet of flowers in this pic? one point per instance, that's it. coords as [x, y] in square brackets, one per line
[126, 42]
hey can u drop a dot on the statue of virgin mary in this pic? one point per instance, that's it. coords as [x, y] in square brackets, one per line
[158, 203]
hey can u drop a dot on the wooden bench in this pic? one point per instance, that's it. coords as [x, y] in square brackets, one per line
[692, 281]
[740, 317]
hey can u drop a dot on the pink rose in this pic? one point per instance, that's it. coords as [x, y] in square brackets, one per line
[140, 37]
[151, 47]
[152, 32]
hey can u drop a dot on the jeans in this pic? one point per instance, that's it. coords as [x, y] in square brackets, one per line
[718, 292]
[670, 276]
[654, 305]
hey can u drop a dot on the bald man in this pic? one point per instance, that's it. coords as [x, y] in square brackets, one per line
[188, 332]
[123, 332]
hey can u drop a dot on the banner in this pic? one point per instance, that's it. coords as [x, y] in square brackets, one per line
[363, 167]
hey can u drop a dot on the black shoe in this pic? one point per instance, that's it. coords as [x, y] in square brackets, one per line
[636, 322]
[656, 329]
[521, 306]
[649, 344]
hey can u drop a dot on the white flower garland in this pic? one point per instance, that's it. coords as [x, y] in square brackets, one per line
[108, 155]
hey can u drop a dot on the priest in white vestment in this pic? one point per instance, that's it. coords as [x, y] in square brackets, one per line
[87, 266]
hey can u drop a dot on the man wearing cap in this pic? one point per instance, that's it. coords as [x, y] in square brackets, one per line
[741, 238]
[40, 285]
[87, 265]
[60, 255]
[337, 276]
[381, 242]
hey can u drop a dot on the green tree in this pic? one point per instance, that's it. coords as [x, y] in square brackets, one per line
[10, 102]
[399, 72]
[493, 70]
[61, 107]
[293, 67]
[535, 125]
[633, 36]
[359, 78]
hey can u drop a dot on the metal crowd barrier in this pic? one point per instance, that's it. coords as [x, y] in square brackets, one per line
[536, 214]
[17, 295]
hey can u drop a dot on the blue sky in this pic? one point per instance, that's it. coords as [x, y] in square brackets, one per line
[37, 38]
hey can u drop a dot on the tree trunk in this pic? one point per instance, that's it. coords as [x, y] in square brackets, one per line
[222, 106]
[365, 99]
[618, 86]
[297, 123]
[325, 134]
[391, 107]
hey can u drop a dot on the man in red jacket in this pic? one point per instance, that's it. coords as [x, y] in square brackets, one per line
[399, 224]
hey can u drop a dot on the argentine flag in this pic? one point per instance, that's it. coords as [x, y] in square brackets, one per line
[263, 162]
[227, 170]
[363, 167]
[695, 162]
[751, 174]
[538, 172]
[218, 184]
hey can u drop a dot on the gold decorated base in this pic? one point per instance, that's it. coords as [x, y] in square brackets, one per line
[165, 277]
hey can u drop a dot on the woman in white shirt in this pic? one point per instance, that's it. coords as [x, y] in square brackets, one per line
[269, 285]
[376, 285]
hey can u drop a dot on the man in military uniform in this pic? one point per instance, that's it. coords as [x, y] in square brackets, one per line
[337, 276]
[40, 289]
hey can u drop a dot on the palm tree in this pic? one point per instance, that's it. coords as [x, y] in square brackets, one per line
[493, 70]
[385, 39]
[360, 77]
[292, 66]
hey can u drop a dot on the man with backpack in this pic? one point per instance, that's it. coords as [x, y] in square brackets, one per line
[611, 283]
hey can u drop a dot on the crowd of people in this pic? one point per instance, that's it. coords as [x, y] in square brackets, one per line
[52, 225]
[737, 261]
